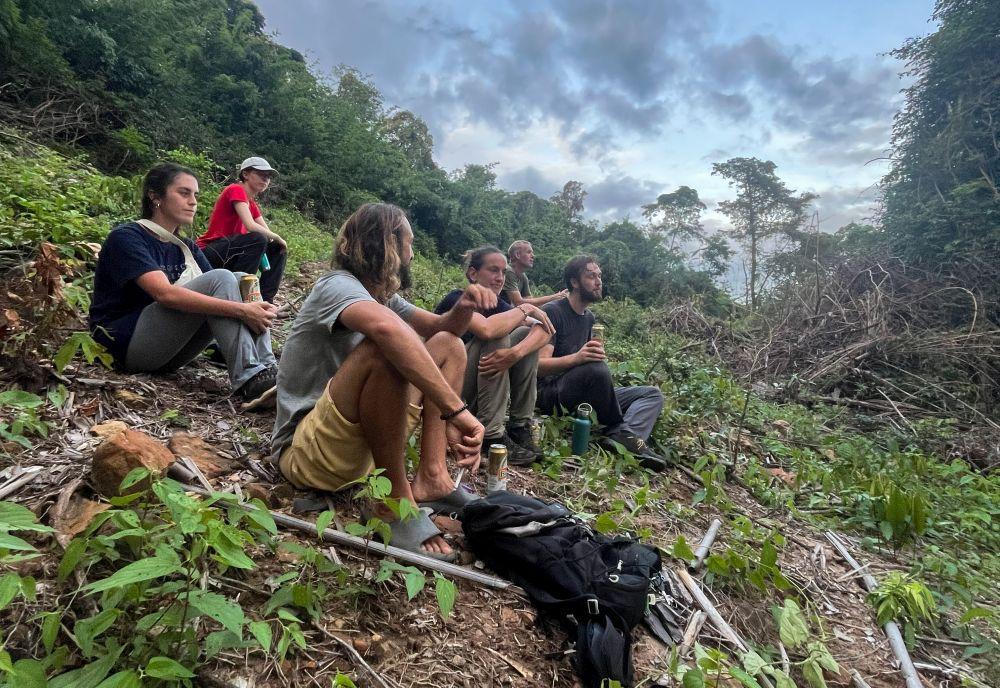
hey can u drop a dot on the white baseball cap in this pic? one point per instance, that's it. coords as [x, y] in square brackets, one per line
[256, 163]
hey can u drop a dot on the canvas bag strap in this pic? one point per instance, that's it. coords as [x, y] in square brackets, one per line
[191, 268]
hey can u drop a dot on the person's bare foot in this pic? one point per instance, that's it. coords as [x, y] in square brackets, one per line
[427, 488]
[432, 545]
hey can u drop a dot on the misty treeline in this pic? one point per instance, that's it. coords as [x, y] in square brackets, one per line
[125, 81]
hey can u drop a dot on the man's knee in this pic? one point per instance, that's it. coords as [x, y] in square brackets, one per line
[445, 346]
[652, 393]
[594, 372]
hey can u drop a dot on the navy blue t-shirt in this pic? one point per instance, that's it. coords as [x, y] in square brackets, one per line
[129, 252]
[449, 301]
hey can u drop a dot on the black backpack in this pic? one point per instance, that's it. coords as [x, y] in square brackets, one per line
[597, 587]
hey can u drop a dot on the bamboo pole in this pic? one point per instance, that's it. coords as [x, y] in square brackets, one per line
[407, 556]
[869, 583]
[706, 544]
[23, 478]
[727, 631]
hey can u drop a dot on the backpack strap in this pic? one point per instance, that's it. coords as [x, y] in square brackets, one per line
[191, 268]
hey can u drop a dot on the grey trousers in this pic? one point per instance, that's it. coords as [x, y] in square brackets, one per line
[488, 398]
[641, 406]
[165, 339]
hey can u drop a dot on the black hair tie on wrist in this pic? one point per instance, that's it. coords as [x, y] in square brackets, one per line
[449, 416]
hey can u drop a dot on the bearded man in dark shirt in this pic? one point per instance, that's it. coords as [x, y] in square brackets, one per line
[573, 369]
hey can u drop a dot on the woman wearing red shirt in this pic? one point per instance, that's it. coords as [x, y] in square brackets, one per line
[238, 236]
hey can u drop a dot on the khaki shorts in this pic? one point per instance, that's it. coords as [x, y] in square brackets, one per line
[328, 452]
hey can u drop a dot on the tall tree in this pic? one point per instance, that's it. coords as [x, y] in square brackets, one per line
[942, 195]
[675, 217]
[764, 207]
[570, 199]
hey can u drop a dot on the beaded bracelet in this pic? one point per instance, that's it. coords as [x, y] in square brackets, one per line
[449, 416]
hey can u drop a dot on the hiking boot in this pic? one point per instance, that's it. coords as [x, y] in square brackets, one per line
[522, 435]
[259, 385]
[637, 447]
[516, 454]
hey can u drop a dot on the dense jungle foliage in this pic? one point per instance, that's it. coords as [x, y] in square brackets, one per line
[209, 79]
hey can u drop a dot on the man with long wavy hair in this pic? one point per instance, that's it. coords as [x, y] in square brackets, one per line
[362, 368]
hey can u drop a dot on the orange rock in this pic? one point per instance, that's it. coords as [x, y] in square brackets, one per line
[122, 452]
[108, 427]
[211, 463]
[784, 476]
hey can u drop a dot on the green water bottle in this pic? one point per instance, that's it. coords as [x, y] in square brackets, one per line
[265, 264]
[581, 429]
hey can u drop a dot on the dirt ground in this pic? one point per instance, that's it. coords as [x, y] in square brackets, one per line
[493, 638]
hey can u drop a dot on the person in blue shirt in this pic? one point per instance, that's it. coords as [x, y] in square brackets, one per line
[158, 303]
[502, 347]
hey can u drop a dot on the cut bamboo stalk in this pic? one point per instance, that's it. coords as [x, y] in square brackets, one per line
[869, 583]
[858, 681]
[727, 631]
[409, 557]
[698, 620]
[25, 477]
[706, 544]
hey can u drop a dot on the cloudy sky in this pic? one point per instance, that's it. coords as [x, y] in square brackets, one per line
[633, 97]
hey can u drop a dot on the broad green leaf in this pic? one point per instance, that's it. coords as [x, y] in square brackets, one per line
[606, 523]
[415, 581]
[136, 572]
[217, 641]
[16, 398]
[693, 678]
[408, 510]
[16, 517]
[342, 681]
[50, 629]
[71, 557]
[386, 569]
[446, 593]
[8, 541]
[217, 607]
[682, 550]
[89, 676]
[87, 630]
[261, 631]
[976, 613]
[134, 476]
[164, 667]
[10, 584]
[823, 657]
[781, 679]
[6, 664]
[753, 663]
[262, 517]
[65, 354]
[792, 625]
[768, 554]
[813, 673]
[323, 521]
[27, 673]
[919, 514]
[743, 677]
[122, 679]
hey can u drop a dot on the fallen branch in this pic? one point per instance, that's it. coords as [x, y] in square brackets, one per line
[869, 583]
[22, 478]
[409, 557]
[356, 656]
[698, 620]
[706, 544]
[727, 631]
